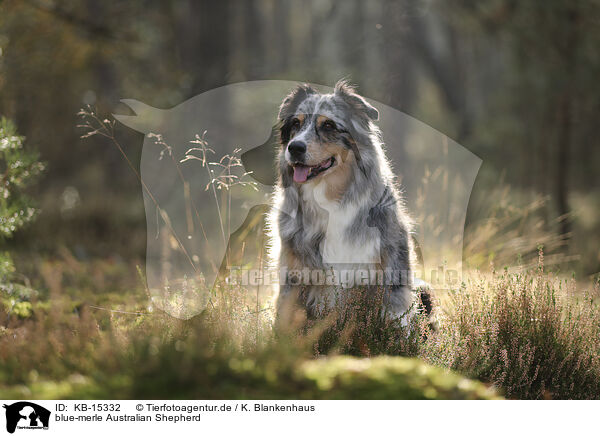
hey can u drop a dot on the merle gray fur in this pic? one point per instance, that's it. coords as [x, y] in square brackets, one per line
[299, 224]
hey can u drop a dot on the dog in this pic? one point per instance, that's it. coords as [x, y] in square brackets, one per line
[337, 214]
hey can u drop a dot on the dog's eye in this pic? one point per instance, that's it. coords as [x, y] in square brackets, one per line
[328, 125]
[295, 123]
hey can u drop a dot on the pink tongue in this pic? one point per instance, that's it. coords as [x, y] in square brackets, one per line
[301, 174]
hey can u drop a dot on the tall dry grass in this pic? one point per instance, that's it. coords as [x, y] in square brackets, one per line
[529, 334]
[525, 331]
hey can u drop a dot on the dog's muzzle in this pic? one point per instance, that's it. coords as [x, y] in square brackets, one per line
[302, 173]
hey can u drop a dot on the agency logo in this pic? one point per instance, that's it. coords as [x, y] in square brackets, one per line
[26, 415]
[208, 175]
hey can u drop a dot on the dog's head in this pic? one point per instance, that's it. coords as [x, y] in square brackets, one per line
[323, 135]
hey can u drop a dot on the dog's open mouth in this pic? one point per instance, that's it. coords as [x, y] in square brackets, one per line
[302, 173]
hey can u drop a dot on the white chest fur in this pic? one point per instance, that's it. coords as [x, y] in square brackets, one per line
[338, 247]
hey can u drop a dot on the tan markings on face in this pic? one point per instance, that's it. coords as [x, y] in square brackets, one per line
[319, 151]
[340, 176]
[297, 123]
[300, 118]
[322, 123]
[321, 119]
[315, 153]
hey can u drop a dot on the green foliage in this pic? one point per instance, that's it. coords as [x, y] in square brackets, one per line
[18, 168]
[22, 309]
[6, 266]
[339, 378]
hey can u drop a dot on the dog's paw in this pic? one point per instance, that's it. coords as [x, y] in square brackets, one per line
[294, 277]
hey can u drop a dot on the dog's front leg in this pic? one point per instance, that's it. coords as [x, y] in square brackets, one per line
[291, 313]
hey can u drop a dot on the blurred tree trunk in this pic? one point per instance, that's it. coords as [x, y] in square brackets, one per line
[408, 29]
[281, 15]
[564, 144]
[202, 41]
[444, 64]
[353, 41]
[401, 83]
[568, 48]
[254, 55]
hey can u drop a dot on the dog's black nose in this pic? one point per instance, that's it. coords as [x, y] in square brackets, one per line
[297, 149]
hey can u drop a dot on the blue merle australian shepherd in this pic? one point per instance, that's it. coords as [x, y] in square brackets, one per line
[338, 220]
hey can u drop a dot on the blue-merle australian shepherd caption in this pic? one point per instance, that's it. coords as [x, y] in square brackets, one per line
[338, 220]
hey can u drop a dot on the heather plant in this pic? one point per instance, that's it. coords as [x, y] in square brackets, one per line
[360, 326]
[529, 333]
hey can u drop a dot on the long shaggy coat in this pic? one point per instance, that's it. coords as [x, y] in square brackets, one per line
[337, 215]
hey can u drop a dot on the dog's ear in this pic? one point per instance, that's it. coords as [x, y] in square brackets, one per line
[293, 99]
[288, 108]
[346, 91]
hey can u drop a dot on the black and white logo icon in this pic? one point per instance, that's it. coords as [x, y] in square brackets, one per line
[26, 415]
